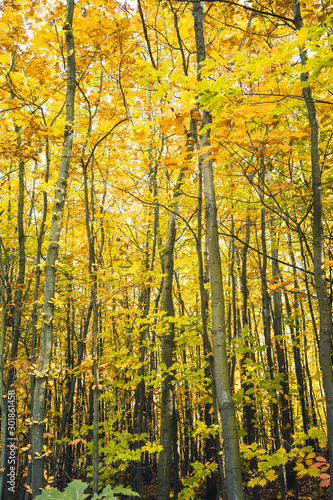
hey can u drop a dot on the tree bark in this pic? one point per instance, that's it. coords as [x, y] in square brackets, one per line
[168, 353]
[268, 342]
[226, 405]
[211, 486]
[295, 336]
[249, 410]
[89, 218]
[11, 376]
[326, 325]
[286, 417]
[39, 399]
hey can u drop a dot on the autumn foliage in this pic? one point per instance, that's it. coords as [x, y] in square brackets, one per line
[136, 161]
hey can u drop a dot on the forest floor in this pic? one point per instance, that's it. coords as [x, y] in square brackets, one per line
[308, 490]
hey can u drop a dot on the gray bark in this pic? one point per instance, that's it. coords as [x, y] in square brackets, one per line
[11, 377]
[210, 372]
[286, 417]
[168, 353]
[39, 399]
[94, 348]
[224, 396]
[268, 342]
[295, 335]
[326, 325]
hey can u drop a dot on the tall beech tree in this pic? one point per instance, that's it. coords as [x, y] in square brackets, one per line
[223, 391]
[325, 314]
[168, 350]
[39, 397]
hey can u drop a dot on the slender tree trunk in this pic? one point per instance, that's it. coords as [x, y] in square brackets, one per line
[268, 341]
[233, 470]
[313, 422]
[168, 354]
[326, 325]
[94, 353]
[34, 313]
[287, 424]
[39, 399]
[295, 335]
[89, 217]
[306, 280]
[249, 408]
[177, 486]
[140, 413]
[234, 329]
[11, 376]
[211, 486]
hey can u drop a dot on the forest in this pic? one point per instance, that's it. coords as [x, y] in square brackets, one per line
[166, 249]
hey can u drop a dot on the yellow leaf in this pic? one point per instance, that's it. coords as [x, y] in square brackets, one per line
[314, 472]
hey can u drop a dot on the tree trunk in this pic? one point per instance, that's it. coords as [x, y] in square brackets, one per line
[211, 486]
[168, 353]
[234, 328]
[286, 418]
[11, 377]
[295, 336]
[34, 313]
[89, 218]
[233, 471]
[249, 407]
[268, 341]
[326, 325]
[38, 411]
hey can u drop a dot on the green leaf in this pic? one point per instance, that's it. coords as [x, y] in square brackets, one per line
[125, 491]
[51, 494]
[107, 493]
[74, 491]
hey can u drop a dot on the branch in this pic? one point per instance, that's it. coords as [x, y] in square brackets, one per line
[146, 34]
[287, 96]
[102, 139]
[155, 203]
[287, 20]
[268, 256]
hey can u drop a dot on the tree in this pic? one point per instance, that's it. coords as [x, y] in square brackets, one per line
[326, 325]
[224, 397]
[39, 396]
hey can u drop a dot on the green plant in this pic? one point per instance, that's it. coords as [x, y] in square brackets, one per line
[190, 483]
[76, 491]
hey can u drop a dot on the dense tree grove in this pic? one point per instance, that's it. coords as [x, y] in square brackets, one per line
[166, 248]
